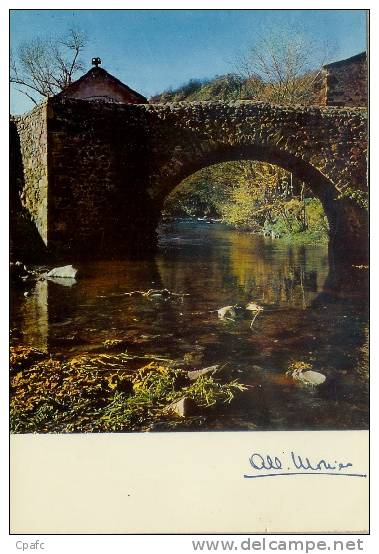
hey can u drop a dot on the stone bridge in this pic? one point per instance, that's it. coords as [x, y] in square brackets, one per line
[94, 176]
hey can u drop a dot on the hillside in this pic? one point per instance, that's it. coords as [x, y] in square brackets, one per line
[232, 87]
[221, 87]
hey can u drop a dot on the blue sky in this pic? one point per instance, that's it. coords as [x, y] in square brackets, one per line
[152, 50]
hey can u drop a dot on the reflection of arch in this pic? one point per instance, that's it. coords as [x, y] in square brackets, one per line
[247, 261]
[347, 222]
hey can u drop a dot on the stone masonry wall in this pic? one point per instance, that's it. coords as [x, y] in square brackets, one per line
[343, 83]
[347, 84]
[32, 133]
[111, 166]
[95, 167]
[182, 137]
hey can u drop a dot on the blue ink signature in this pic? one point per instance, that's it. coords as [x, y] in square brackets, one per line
[273, 466]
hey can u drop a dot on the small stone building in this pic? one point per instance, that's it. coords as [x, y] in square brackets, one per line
[344, 83]
[98, 84]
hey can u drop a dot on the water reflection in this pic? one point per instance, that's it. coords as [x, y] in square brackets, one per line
[240, 266]
[30, 316]
[84, 314]
[309, 314]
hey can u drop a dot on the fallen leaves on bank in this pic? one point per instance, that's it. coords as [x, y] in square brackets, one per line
[106, 393]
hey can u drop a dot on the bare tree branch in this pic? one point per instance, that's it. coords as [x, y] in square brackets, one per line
[28, 95]
[282, 67]
[47, 65]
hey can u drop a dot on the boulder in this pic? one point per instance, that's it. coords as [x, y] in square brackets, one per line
[227, 312]
[184, 407]
[64, 272]
[312, 378]
[211, 370]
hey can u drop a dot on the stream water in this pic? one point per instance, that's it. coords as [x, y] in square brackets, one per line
[311, 314]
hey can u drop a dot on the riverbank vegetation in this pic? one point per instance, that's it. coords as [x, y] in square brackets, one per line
[252, 196]
[109, 392]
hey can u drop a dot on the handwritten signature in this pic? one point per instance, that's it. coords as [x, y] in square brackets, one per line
[291, 463]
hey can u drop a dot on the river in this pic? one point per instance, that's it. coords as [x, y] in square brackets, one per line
[309, 316]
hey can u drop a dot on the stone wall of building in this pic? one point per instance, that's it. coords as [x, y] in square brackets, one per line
[347, 83]
[32, 183]
[343, 83]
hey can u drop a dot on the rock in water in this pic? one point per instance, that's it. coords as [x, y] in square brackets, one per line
[193, 375]
[301, 372]
[64, 272]
[312, 378]
[227, 312]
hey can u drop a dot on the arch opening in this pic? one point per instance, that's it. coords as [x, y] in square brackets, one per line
[252, 196]
[347, 221]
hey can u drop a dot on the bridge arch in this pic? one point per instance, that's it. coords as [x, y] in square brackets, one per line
[346, 221]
